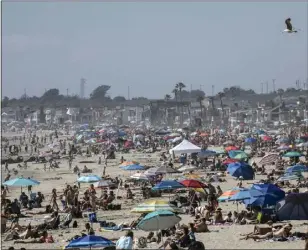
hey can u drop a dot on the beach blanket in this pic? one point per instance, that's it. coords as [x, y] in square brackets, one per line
[115, 228]
[281, 239]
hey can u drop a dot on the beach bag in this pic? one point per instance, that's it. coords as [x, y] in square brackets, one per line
[75, 225]
[92, 217]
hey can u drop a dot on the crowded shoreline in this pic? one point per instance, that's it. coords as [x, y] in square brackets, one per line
[130, 164]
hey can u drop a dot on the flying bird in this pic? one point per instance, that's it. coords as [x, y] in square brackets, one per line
[289, 28]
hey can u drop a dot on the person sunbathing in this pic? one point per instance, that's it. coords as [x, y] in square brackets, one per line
[45, 238]
[283, 232]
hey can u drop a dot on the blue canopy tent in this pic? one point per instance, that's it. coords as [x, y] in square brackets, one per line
[238, 169]
[272, 195]
[293, 207]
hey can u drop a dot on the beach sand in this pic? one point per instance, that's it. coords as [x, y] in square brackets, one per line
[221, 237]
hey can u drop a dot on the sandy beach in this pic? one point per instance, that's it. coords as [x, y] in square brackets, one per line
[220, 237]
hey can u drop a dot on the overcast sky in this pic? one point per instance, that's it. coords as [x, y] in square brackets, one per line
[150, 46]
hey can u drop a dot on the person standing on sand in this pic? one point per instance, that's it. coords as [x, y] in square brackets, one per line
[53, 200]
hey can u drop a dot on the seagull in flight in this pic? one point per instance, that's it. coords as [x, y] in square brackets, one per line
[289, 28]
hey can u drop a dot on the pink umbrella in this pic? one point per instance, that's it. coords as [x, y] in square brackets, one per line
[266, 138]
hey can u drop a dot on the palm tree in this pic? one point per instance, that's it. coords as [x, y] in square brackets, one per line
[167, 97]
[221, 95]
[180, 86]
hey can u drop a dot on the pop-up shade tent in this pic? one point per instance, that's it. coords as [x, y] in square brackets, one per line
[185, 147]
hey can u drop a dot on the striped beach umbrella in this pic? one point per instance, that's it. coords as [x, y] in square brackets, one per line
[155, 205]
[229, 193]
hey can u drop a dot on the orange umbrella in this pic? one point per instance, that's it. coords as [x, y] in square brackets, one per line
[231, 148]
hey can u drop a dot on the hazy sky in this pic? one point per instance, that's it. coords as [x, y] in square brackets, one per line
[150, 46]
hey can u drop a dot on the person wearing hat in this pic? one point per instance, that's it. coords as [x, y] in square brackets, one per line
[218, 216]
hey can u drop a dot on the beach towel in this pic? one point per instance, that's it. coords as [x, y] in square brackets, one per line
[125, 243]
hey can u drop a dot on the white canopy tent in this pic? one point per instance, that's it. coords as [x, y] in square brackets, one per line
[185, 147]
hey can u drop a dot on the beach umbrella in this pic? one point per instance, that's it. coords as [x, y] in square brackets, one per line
[266, 138]
[272, 194]
[229, 142]
[155, 205]
[168, 184]
[90, 241]
[229, 160]
[297, 168]
[189, 183]
[237, 154]
[133, 167]
[229, 148]
[192, 176]
[250, 140]
[293, 207]
[139, 176]
[246, 194]
[291, 176]
[187, 168]
[218, 150]
[89, 179]
[158, 220]
[269, 159]
[293, 154]
[260, 132]
[161, 170]
[206, 153]
[21, 182]
[102, 184]
[228, 194]
[241, 169]
[283, 147]
[283, 140]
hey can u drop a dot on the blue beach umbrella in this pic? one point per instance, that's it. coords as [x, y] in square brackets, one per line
[21, 182]
[246, 194]
[238, 169]
[90, 241]
[89, 179]
[168, 184]
[250, 140]
[272, 195]
[297, 168]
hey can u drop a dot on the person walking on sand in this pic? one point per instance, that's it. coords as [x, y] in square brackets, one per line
[53, 200]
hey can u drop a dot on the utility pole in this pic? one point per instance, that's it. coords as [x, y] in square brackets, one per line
[128, 92]
[82, 88]
[266, 87]
[213, 90]
[67, 92]
[274, 86]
